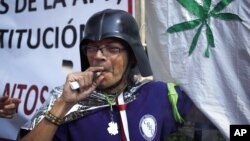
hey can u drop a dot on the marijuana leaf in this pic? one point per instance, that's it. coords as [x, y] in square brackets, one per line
[203, 13]
[195, 40]
[207, 5]
[221, 5]
[210, 40]
[227, 16]
[184, 26]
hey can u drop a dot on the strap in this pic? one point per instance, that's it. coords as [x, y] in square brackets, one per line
[173, 98]
[122, 107]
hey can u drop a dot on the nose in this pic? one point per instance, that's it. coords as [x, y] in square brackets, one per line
[99, 54]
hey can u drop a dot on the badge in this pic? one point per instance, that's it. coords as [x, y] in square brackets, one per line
[148, 127]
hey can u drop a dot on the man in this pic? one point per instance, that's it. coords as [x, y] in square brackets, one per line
[106, 102]
[8, 106]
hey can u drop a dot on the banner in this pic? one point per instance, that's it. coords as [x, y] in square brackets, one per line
[203, 46]
[36, 39]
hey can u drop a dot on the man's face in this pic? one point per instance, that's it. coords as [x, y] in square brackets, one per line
[112, 56]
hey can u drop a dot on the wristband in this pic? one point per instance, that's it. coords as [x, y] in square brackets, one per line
[52, 118]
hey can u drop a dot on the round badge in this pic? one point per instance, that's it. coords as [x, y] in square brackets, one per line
[148, 127]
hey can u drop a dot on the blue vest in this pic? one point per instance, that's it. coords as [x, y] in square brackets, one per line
[149, 118]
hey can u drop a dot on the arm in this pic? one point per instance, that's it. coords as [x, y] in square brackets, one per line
[46, 129]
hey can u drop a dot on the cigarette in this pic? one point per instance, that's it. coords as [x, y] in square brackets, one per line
[96, 74]
[75, 85]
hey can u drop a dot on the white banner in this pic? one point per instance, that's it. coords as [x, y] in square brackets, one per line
[36, 37]
[217, 79]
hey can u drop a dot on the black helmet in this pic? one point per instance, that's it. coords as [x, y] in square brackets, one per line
[119, 24]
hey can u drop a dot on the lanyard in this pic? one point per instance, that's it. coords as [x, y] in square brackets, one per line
[124, 121]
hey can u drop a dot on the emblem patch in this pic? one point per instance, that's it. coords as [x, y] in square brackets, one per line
[148, 127]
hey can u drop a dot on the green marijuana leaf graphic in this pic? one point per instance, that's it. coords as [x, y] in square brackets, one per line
[203, 13]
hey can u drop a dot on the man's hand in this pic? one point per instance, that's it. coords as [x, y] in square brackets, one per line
[87, 82]
[8, 106]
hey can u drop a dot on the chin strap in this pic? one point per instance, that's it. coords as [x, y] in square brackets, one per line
[173, 98]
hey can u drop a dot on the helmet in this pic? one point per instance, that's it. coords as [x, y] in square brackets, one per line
[119, 24]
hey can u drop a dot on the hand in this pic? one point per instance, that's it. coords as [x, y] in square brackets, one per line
[8, 106]
[86, 82]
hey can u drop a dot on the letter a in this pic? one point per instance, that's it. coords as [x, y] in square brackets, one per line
[237, 132]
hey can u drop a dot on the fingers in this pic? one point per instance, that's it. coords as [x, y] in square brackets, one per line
[86, 78]
[15, 100]
[98, 80]
[95, 69]
[7, 100]
[3, 98]
[3, 115]
[80, 80]
[86, 83]
[8, 107]
[8, 114]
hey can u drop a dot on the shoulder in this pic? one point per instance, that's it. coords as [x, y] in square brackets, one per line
[154, 85]
[159, 86]
[153, 90]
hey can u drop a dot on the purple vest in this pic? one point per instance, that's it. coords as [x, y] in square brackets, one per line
[149, 118]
